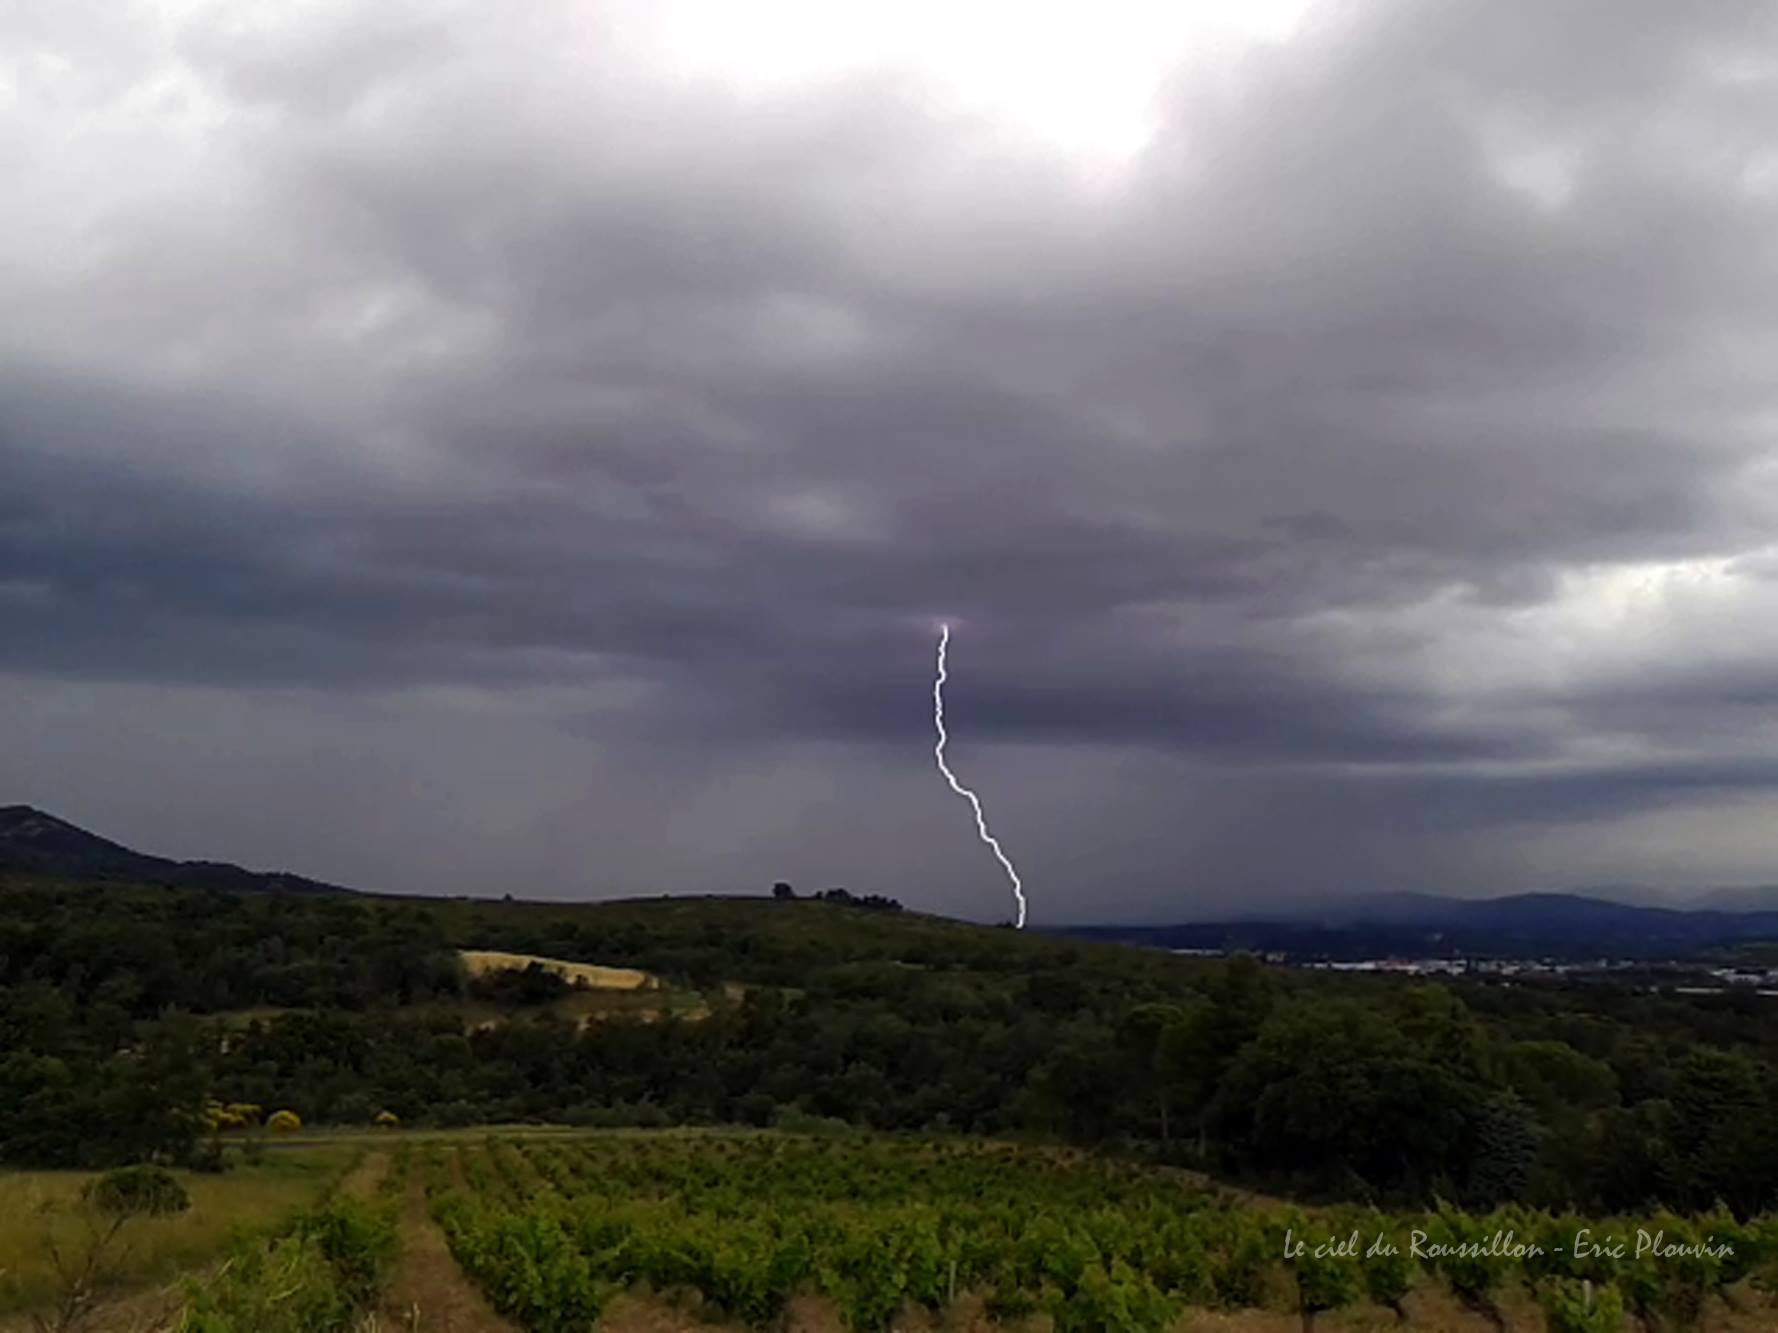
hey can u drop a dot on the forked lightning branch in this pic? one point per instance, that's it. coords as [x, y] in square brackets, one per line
[981, 822]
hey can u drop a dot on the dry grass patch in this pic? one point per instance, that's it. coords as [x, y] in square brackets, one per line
[479, 962]
[35, 1206]
[643, 1311]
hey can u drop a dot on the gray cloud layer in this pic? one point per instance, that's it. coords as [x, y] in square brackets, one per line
[570, 462]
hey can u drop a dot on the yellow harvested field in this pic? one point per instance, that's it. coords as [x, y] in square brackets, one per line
[591, 975]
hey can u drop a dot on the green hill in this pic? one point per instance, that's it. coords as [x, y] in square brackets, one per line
[123, 1008]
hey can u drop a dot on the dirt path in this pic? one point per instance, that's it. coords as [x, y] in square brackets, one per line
[428, 1293]
[362, 1181]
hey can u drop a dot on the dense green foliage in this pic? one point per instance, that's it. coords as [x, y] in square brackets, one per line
[319, 1274]
[552, 1230]
[318, 1277]
[122, 1010]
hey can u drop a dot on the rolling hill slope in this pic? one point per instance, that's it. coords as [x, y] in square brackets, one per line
[33, 842]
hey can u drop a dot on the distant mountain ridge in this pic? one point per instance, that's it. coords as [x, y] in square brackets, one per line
[1758, 898]
[1569, 926]
[1543, 925]
[33, 842]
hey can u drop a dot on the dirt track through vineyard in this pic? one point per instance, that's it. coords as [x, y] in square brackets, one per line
[428, 1293]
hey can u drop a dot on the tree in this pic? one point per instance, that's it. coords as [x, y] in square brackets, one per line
[1189, 1066]
[532, 985]
[1142, 1039]
[1505, 1152]
[783, 892]
[1333, 1088]
[1721, 1129]
[105, 1207]
[1627, 1158]
[1076, 1090]
[1553, 1078]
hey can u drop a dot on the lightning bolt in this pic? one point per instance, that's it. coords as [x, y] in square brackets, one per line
[938, 753]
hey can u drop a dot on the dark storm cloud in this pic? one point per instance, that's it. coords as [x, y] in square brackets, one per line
[440, 352]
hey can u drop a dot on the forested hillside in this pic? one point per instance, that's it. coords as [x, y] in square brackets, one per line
[123, 1009]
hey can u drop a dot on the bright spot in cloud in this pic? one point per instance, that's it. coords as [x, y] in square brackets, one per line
[1603, 623]
[1082, 79]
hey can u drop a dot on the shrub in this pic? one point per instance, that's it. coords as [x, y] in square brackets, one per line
[284, 1121]
[357, 1241]
[1686, 1280]
[1239, 1275]
[318, 1277]
[1323, 1281]
[1576, 1306]
[137, 1191]
[1388, 1274]
[208, 1157]
[217, 1116]
[83, 1267]
[1473, 1269]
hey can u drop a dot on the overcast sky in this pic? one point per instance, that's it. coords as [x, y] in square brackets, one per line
[479, 448]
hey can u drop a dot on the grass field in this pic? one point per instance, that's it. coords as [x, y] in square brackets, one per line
[37, 1210]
